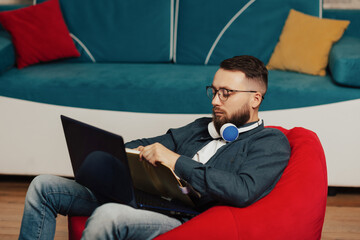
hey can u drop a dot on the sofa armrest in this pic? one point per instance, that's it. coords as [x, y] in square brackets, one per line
[344, 62]
[7, 52]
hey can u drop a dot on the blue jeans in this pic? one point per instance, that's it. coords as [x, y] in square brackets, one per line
[49, 195]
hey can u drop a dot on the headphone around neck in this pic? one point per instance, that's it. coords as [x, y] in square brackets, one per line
[229, 132]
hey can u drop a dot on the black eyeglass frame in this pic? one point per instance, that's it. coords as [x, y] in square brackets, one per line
[228, 90]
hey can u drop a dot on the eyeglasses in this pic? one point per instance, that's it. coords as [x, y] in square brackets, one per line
[223, 93]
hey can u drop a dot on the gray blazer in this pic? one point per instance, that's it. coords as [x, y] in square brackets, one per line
[239, 174]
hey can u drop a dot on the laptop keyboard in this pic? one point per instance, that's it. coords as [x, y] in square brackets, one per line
[149, 199]
[158, 204]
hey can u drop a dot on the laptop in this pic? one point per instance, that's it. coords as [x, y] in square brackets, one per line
[83, 139]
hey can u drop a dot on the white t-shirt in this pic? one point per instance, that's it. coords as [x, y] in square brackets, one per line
[208, 151]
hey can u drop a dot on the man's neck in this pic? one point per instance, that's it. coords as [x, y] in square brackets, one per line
[253, 118]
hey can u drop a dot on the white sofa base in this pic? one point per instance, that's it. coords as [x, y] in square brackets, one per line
[32, 140]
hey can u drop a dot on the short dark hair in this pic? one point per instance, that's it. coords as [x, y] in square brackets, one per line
[253, 68]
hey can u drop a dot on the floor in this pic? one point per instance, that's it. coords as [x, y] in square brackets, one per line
[342, 219]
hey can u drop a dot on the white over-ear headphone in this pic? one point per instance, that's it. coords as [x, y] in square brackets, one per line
[229, 132]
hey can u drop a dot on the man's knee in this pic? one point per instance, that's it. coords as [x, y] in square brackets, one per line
[103, 222]
[111, 213]
[113, 217]
[40, 185]
[124, 222]
[97, 156]
[107, 176]
[39, 191]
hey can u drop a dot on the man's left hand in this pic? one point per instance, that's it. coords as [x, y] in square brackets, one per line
[157, 153]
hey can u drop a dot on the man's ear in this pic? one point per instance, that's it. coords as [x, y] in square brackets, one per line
[256, 100]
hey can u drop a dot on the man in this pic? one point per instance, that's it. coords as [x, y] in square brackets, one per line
[236, 172]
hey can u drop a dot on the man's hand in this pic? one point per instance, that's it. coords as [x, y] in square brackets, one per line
[157, 153]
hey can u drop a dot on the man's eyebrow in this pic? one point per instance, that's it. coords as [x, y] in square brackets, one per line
[223, 87]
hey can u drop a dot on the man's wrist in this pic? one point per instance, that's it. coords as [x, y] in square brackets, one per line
[173, 161]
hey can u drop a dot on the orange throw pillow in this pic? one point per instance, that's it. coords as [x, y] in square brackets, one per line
[305, 43]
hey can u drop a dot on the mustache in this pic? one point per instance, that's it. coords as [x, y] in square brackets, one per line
[217, 109]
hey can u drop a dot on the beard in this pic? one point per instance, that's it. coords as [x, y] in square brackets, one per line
[239, 118]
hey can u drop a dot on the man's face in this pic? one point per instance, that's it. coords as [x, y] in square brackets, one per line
[236, 109]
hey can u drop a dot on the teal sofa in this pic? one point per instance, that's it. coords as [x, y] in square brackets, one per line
[136, 72]
[157, 57]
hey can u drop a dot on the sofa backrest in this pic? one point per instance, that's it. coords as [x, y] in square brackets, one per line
[353, 15]
[121, 31]
[209, 31]
[183, 31]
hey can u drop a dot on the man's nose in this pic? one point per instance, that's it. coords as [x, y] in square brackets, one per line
[216, 100]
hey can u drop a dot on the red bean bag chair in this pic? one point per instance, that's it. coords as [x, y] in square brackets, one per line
[295, 209]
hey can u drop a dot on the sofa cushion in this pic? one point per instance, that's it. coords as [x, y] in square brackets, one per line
[344, 62]
[294, 90]
[232, 28]
[305, 43]
[39, 33]
[155, 88]
[121, 31]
